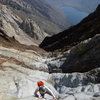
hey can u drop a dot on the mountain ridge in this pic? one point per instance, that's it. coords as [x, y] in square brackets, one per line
[87, 28]
[42, 19]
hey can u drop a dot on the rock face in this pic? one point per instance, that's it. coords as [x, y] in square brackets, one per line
[82, 31]
[74, 80]
[20, 69]
[80, 86]
[17, 85]
[80, 58]
[84, 57]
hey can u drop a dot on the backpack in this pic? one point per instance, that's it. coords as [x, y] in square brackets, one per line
[42, 89]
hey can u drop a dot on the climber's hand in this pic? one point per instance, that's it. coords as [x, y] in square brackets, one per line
[37, 96]
[40, 97]
[54, 98]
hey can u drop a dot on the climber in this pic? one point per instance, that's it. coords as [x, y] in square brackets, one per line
[42, 89]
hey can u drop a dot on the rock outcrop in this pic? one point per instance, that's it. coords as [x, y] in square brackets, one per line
[80, 58]
[80, 86]
[33, 30]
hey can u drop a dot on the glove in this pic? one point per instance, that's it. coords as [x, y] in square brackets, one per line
[37, 96]
[54, 98]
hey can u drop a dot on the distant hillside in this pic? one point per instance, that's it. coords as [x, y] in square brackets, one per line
[35, 18]
[83, 5]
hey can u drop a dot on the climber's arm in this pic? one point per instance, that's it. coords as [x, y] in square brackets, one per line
[35, 93]
[49, 92]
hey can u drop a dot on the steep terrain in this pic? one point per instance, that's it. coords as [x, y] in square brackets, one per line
[21, 67]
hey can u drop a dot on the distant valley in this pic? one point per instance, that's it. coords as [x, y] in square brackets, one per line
[73, 15]
[75, 10]
[83, 5]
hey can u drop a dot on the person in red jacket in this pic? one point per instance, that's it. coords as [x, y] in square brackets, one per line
[42, 89]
